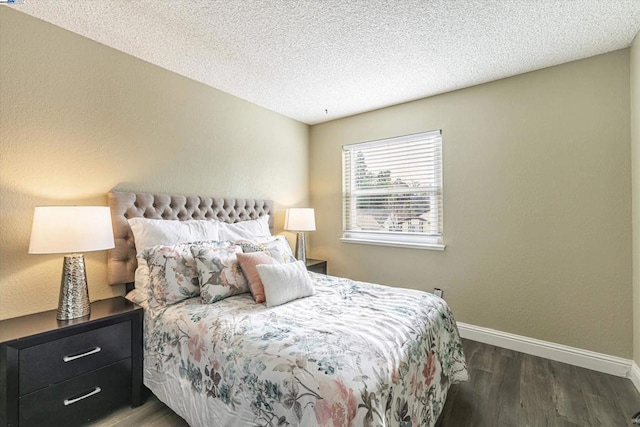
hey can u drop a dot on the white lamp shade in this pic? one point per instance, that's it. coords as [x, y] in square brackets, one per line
[300, 219]
[71, 229]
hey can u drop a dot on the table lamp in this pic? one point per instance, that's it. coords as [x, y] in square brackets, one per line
[300, 220]
[69, 230]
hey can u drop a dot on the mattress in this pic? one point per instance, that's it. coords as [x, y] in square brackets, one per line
[352, 354]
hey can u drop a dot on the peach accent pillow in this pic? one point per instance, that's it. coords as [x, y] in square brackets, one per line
[248, 264]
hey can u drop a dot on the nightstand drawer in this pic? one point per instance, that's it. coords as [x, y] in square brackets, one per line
[58, 360]
[80, 399]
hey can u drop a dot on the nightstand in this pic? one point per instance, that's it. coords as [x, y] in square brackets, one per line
[317, 265]
[69, 372]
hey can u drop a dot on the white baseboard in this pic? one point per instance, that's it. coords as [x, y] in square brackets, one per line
[561, 353]
[634, 374]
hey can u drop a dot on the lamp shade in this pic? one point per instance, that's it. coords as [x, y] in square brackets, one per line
[300, 219]
[71, 229]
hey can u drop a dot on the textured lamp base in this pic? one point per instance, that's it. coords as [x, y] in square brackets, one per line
[301, 247]
[74, 294]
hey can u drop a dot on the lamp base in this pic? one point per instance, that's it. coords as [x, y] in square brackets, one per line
[74, 293]
[301, 247]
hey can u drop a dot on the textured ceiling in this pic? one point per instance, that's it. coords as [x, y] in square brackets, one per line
[318, 60]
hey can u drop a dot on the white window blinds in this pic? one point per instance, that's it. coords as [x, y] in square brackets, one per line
[392, 191]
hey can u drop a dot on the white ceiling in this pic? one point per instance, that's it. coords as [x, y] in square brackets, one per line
[318, 60]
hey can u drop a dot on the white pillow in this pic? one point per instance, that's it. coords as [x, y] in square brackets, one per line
[285, 282]
[152, 232]
[245, 229]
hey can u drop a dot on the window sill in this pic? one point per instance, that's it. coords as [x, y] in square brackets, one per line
[427, 246]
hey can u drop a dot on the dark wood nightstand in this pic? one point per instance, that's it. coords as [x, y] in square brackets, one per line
[69, 372]
[317, 265]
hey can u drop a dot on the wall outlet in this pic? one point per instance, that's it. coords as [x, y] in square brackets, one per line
[437, 292]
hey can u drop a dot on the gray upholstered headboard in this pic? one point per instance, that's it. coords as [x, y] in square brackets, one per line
[121, 261]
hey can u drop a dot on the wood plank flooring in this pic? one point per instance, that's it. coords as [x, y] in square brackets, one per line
[152, 413]
[506, 388]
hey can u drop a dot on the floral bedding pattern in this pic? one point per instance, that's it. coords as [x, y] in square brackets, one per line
[173, 275]
[219, 273]
[276, 246]
[352, 354]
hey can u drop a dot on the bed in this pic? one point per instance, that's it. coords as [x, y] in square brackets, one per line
[352, 353]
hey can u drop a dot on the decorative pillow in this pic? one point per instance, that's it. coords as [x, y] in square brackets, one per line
[152, 232]
[245, 229]
[285, 282]
[248, 263]
[141, 284]
[137, 297]
[173, 275]
[141, 278]
[219, 273]
[276, 246]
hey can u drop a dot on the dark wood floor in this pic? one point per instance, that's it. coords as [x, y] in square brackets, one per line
[506, 388]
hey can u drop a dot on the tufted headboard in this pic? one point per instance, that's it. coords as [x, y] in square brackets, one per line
[121, 261]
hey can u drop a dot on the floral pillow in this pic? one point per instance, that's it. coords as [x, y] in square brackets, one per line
[173, 275]
[219, 273]
[277, 247]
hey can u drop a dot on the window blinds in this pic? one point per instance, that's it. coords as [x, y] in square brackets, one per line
[392, 189]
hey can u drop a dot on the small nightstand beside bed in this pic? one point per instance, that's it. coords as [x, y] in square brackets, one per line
[344, 353]
[317, 265]
[65, 373]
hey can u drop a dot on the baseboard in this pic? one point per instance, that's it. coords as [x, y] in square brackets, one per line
[634, 374]
[561, 353]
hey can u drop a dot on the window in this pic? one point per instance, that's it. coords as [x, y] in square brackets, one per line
[392, 191]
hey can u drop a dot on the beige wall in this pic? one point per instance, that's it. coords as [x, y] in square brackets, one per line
[635, 164]
[537, 207]
[79, 118]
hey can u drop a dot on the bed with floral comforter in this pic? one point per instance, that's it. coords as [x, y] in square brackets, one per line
[352, 354]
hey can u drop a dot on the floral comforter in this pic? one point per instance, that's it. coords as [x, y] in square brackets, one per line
[353, 354]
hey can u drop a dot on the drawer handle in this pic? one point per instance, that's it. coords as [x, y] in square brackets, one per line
[78, 356]
[68, 402]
